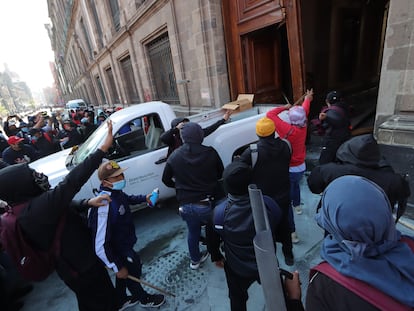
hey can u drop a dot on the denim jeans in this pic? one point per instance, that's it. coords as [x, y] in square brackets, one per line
[195, 215]
[295, 187]
[294, 178]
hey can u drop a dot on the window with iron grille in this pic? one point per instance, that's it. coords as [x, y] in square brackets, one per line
[88, 41]
[101, 90]
[163, 75]
[113, 4]
[112, 88]
[129, 80]
[97, 24]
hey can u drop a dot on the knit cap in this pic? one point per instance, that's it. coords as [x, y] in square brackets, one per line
[265, 127]
[192, 133]
[236, 177]
[297, 116]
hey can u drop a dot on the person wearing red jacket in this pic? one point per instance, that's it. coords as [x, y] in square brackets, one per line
[294, 129]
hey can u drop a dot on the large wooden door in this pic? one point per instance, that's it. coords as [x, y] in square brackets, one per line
[264, 48]
[262, 66]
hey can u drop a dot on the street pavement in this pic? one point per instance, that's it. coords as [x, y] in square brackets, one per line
[163, 248]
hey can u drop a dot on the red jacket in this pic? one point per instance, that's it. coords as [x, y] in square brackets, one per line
[296, 135]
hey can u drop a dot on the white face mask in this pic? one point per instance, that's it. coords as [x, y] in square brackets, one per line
[119, 185]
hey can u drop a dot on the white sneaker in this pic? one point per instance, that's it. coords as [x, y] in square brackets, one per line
[196, 265]
[295, 238]
[298, 209]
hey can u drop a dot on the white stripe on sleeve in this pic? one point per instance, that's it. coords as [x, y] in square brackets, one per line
[102, 223]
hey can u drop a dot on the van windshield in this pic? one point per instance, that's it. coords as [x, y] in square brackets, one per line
[72, 105]
[91, 144]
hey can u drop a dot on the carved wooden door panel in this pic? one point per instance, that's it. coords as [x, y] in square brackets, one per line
[262, 65]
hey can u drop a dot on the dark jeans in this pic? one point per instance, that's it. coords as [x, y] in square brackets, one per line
[295, 178]
[291, 218]
[238, 286]
[134, 266]
[94, 290]
[196, 215]
[294, 196]
[283, 231]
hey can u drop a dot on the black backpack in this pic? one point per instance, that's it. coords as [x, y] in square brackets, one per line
[31, 263]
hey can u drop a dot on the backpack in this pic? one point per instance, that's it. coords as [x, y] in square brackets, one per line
[220, 212]
[254, 152]
[32, 264]
[370, 294]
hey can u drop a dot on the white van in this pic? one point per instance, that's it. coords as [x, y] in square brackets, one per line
[76, 104]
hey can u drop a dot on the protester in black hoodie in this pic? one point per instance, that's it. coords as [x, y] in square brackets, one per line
[335, 120]
[77, 264]
[173, 139]
[271, 175]
[361, 156]
[194, 171]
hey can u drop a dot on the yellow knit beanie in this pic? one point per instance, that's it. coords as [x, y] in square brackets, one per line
[265, 127]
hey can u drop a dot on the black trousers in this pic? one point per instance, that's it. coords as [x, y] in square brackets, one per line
[238, 286]
[94, 289]
[134, 266]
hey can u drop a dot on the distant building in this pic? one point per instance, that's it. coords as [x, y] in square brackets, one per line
[15, 95]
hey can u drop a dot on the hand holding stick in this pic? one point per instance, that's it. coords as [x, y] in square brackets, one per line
[150, 285]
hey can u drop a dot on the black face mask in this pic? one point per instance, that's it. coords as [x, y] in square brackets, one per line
[20, 144]
[41, 180]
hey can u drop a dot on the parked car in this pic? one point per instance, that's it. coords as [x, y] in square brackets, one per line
[141, 150]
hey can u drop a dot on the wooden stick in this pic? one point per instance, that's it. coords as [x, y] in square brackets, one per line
[285, 98]
[150, 285]
[298, 101]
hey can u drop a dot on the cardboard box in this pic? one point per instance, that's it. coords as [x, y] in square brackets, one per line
[243, 102]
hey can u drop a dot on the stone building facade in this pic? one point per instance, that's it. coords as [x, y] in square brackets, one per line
[129, 51]
[394, 122]
[199, 54]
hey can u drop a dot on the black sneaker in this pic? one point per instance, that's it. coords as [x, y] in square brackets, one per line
[152, 301]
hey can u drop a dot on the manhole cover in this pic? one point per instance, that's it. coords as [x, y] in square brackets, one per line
[171, 272]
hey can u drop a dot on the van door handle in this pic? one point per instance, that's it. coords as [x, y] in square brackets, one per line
[161, 160]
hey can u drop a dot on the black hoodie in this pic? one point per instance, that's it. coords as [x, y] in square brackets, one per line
[360, 156]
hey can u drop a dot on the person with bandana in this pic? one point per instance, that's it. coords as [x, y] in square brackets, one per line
[114, 237]
[363, 244]
[295, 131]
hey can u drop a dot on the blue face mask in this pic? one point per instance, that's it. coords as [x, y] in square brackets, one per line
[119, 185]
